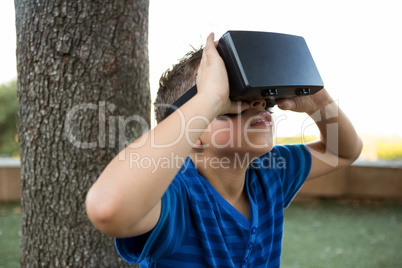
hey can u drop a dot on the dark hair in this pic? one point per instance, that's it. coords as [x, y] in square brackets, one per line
[176, 81]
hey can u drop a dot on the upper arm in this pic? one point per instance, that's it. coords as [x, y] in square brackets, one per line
[161, 231]
[147, 223]
[324, 161]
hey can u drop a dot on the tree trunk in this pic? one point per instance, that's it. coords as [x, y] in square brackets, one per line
[83, 94]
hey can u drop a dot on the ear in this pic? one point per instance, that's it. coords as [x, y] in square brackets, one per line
[197, 144]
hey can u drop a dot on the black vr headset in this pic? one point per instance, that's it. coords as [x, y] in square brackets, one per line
[264, 65]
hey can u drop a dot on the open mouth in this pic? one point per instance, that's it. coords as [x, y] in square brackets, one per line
[261, 119]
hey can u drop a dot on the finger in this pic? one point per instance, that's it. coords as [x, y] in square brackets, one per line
[286, 104]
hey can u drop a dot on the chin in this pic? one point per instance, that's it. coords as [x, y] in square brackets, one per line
[255, 149]
[257, 152]
[255, 144]
[259, 142]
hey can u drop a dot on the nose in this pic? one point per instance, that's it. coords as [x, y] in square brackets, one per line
[258, 103]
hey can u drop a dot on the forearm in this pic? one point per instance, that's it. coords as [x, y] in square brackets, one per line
[125, 192]
[337, 133]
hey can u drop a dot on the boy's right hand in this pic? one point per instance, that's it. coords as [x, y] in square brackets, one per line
[212, 79]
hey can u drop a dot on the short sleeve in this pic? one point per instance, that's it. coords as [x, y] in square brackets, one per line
[296, 167]
[168, 234]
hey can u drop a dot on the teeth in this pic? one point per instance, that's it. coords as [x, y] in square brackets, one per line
[263, 118]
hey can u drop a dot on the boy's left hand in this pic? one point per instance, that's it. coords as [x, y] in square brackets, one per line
[308, 104]
[338, 147]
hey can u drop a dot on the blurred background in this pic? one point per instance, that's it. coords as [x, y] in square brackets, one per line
[356, 45]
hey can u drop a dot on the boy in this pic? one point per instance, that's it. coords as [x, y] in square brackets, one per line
[222, 205]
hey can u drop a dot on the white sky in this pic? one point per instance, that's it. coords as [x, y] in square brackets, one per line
[356, 45]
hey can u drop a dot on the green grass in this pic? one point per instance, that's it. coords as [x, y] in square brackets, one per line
[10, 235]
[330, 234]
[317, 234]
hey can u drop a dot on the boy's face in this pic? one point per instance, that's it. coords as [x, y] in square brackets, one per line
[251, 132]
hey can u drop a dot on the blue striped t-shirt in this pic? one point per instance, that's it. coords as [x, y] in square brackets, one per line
[199, 228]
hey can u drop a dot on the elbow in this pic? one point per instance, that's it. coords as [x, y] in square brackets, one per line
[102, 213]
[359, 148]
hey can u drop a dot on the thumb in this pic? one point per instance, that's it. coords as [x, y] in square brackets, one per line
[210, 41]
[238, 107]
[210, 48]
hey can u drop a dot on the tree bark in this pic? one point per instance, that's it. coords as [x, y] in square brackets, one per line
[83, 92]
